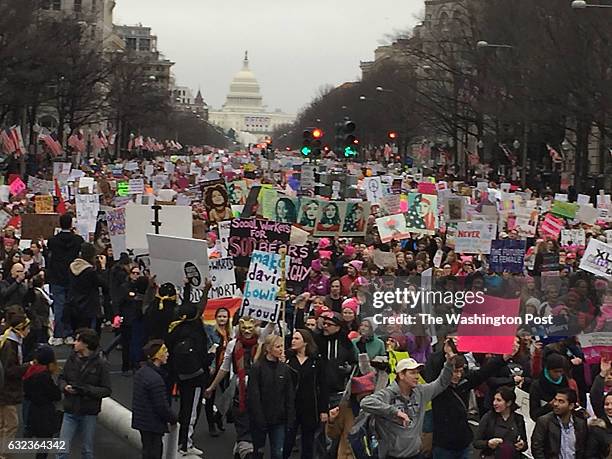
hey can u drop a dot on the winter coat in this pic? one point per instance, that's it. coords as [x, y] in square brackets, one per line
[546, 437]
[14, 369]
[395, 439]
[130, 304]
[83, 292]
[492, 425]
[270, 394]
[194, 332]
[311, 398]
[42, 393]
[599, 445]
[91, 379]
[63, 248]
[36, 306]
[450, 408]
[151, 410]
[373, 346]
[12, 292]
[339, 355]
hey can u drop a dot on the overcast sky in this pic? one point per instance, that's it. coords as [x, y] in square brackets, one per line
[295, 47]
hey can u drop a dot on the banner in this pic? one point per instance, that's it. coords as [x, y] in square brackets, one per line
[248, 235]
[173, 259]
[223, 279]
[597, 258]
[475, 237]
[507, 255]
[262, 286]
[596, 345]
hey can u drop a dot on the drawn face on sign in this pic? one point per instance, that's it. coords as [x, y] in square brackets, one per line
[192, 273]
[373, 186]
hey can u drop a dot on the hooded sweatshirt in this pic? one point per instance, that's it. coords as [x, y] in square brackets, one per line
[83, 293]
[63, 248]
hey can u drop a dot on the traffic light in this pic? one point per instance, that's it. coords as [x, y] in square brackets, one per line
[392, 135]
[350, 141]
[311, 144]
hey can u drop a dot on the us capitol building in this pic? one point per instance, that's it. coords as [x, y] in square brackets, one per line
[244, 111]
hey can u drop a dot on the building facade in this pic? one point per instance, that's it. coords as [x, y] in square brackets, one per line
[244, 111]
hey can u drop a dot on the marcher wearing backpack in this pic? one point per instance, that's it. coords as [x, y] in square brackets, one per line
[189, 362]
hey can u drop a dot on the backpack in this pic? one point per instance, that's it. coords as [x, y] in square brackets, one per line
[362, 437]
[187, 363]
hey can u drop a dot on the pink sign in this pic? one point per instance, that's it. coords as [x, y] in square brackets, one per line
[17, 186]
[489, 327]
[427, 188]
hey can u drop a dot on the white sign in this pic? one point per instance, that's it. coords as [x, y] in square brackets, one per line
[224, 235]
[223, 279]
[88, 206]
[475, 237]
[374, 189]
[173, 259]
[573, 237]
[166, 220]
[597, 258]
[136, 186]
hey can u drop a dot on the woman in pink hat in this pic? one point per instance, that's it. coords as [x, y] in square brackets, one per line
[352, 273]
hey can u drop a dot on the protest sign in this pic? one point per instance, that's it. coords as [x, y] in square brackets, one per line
[223, 278]
[173, 259]
[597, 258]
[307, 178]
[522, 401]
[475, 237]
[267, 200]
[507, 255]
[262, 286]
[17, 186]
[136, 186]
[384, 259]
[5, 218]
[301, 258]
[36, 226]
[564, 209]
[123, 188]
[36, 185]
[238, 192]
[167, 220]
[329, 218]
[87, 206]
[551, 226]
[285, 209]
[248, 235]
[392, 227]
[454, 209]
[354, 223]
[427, 188]
[390, 204]
[374, 189]
[526, 221]
[422, 216]
[224, 234]
[587, 214]
[573, 237]
[115, 222]
[43, 204]
[594, 345]
[477, 335]
[216, 200]
[298, 236]
[61, 168]
[308, 213]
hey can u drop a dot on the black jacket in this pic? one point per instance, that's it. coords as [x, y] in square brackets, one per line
[90, 377]
[600, 439]
[546, 437]
[151, 401]
[338, 355]
[493, 426]
[311, 397]
[130, 302]
[37, 308]
[42, 392]
[63, 248]
[83, 293]
[194, 331]
[12, 292]
[270, 394]
[542, 390]
[451, 406]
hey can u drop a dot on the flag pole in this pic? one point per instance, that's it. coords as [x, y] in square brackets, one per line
[282, 293]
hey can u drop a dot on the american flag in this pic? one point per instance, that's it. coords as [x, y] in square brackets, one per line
[139, 142]
[551, 226]
[51, 143]
[508, 153]
[77, 141]
[15, 133]
[8, 146]
[554, 155]
[473, 158]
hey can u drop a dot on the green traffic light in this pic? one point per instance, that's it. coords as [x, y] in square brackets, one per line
[306, 151]
[350, 151]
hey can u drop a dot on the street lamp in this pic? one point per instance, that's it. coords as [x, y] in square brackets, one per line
[362, 98]
[582, 4]
[381, 89]
[485, 44]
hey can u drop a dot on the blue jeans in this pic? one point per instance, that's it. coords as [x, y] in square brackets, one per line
[277, 440]
[61, 329]
[73, 424]
[442, 453]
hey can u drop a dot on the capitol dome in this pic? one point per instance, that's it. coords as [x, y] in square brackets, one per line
[244, 92]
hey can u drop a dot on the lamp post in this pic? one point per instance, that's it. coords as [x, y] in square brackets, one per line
[485, 44]
[582, 4]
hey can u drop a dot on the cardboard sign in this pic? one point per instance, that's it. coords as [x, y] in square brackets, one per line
[35, 226]
[564, 209]
[165, 220]
[551, 226]
[17, 186]
[223, 279]
[44, 204]
[384, 259]
[392, 228]
[173, 259]
[507, 255]
[597, 258]
[88, 206]
[248, 235]
[475, 237]
[573, 237]
[297, 273]
[262, 286]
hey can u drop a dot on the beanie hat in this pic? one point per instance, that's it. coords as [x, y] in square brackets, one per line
[357, 264]
[555, 361]
[188, 311]
[325, 254]
[316, 266]
[333, 316]
[349, 251]
[212, 236]
[324, 243]
[44, 355]
[351, 304]
[167, 289]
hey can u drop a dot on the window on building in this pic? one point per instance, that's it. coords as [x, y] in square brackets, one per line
[57, 5]
[78, 6]
[130, 43]
[145, 44]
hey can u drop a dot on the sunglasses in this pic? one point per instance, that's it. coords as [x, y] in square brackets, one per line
[329, 324]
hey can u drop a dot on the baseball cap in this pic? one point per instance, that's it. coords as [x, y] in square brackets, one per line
[408, 364]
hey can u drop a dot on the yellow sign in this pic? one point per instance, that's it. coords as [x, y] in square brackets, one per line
[43, 204]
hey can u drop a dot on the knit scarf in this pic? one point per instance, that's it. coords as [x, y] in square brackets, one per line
[164, 298]
[240, 366]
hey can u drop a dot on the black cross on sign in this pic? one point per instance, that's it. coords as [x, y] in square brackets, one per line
[156, 223]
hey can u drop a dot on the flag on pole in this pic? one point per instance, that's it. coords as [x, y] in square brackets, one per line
[8, 146]
[17, 140]
[554, 154]
[51, 143]
[61, 205]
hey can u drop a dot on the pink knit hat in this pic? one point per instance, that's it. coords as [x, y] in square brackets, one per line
[351, 304]
[357, 264]
[325, 254]
[349, 250]
[316, 266]
[324, 243]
